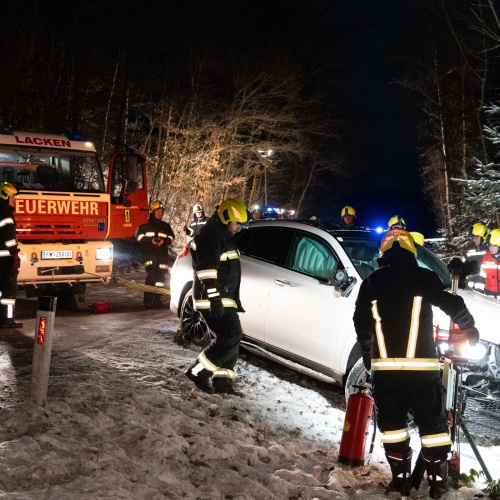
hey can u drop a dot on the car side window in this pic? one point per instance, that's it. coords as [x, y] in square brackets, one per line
[312, 256]
[265, 243]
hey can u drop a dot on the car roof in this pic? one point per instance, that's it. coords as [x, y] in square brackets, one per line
[337, 230]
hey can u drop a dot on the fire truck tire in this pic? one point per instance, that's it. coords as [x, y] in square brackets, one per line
[65, 293]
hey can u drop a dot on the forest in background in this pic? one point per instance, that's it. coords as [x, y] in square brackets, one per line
[246, 98]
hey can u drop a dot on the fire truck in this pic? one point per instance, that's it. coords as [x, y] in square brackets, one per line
[66, 216]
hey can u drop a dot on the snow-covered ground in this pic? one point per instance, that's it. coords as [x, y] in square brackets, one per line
[123, 422]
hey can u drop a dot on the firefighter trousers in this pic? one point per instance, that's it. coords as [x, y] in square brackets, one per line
[421, 393]
[223, 351]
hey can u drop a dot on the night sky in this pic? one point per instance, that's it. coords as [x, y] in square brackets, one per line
[381, 140]
[353, 51]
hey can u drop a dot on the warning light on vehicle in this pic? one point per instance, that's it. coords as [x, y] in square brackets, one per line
[42, 324]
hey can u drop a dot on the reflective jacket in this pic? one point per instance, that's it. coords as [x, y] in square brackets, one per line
[196, 226]
[490, 269]
[147, 234]
[475, 252]
[393, 313]
[8, 241]
[217, 268]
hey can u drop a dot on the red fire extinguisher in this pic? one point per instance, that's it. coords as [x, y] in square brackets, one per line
[357, 420]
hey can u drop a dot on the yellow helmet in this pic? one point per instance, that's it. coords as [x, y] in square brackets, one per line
[7, 190]
[396, 222]
[232, 210]
[348, 210]
[478, 229]
[399, 236]
[155, 205]
[418, 238]
[494, 237]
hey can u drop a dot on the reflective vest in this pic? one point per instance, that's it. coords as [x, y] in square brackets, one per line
[490, 270]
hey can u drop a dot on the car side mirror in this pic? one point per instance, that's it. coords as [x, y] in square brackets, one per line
[342, 282]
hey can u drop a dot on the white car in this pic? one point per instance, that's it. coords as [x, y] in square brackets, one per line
[300, 280]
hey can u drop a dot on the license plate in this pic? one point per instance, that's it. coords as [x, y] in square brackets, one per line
[57, 254]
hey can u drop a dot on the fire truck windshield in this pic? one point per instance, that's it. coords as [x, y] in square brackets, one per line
[52, 170]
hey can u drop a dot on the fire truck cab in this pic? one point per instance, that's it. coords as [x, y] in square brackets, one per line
[65, 213]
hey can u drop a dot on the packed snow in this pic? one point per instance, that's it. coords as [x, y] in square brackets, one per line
[123, 422]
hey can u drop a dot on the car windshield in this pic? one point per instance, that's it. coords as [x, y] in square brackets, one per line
[362, 249]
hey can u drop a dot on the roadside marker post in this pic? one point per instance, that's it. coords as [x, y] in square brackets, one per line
[42, 350]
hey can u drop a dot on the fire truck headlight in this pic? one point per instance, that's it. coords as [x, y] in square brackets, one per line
[104, 253]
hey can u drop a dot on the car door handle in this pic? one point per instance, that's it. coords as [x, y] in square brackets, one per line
[282, 282]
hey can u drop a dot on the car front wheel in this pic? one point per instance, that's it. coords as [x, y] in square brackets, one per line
[194, 326]
[357, 376]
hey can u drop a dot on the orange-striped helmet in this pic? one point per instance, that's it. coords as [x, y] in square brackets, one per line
[399, 238]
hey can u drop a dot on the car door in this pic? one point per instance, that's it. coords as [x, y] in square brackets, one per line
[305, 315]
[259, 246]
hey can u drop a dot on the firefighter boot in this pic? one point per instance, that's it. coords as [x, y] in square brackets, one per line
[200, 376]
[400, 464]
[149, 300]
[157, 300]
[437, 476]
[224, 385]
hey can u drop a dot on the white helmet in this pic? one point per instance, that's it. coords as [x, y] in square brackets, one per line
[197, 208]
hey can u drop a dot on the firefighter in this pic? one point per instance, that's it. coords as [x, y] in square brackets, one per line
[418, 238]
[349, 221]
[9, 258]
[490, 265]
[256, 214]
[217, 275]
[154, 238]
[393, 322]
[199, 221]
[348, 216]
[396, 222]
[473, 256]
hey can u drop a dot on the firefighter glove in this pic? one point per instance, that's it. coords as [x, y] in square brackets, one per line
[216, 307]
[455, 266]
[17, 261]
[184, 228]
[473, 336]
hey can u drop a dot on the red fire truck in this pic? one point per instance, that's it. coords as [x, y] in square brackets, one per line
[65, 214]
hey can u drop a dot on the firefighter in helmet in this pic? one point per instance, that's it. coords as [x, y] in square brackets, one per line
[154, 239]
[217, 275]
[9, 258]
[473, 256]
[348, 216]
[349, 221]
[396, 222]
[418, 238]
[394, 327]
[490, 265]
[199, 221]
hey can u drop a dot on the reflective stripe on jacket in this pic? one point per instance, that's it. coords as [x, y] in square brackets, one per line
[216, 264]
[393, 315]
[8, 241]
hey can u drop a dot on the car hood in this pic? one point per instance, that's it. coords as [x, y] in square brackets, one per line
[485, 310]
